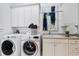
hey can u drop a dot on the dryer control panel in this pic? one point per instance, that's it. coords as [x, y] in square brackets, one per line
[36, 37]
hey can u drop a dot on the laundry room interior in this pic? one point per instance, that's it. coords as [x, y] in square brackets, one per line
[39, 29]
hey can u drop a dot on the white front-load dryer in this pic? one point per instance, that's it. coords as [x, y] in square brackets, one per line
[30, 45]
[10, 45]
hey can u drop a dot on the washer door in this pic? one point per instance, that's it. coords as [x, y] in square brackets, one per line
[29, 47]
[7, 47]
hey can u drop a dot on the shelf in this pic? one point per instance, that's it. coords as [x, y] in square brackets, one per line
[52, 12]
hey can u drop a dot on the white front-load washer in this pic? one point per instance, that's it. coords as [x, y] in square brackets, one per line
[10, 45]
[30, 45]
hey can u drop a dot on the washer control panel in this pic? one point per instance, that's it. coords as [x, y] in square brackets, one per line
[36, 37]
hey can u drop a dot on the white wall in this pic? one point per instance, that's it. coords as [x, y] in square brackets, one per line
[69, 16]
[4, 18]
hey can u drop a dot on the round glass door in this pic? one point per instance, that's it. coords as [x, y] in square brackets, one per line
[29, 47]
[7, 47]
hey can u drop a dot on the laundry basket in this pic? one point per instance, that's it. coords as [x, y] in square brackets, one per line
[34, 31]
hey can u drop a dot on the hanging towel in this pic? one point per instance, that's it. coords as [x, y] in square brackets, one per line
[52, 18]
[45, 22]
[52, 15]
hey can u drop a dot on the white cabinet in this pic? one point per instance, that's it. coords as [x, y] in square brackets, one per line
[61, 47]
[35, 14]
[61, 50]
[48, 47]
[55, 46]
[31, 15]
[17, 16]
[28, 16]
[14, 17]
[74, 47]
[24, 16]
[20, 16]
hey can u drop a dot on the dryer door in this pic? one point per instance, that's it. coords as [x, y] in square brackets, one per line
[7, 47]
[30, 48]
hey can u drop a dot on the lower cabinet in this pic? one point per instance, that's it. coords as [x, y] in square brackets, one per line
[61, 46]
[55, 47]
[61, 50]
[48, 47]
[73, 49]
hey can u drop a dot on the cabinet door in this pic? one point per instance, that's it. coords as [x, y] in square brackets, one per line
[28, 15]
[74, 49]
[17, 16]
[14, 21]
[21, 16]
[32, 15]
[35, 14]
[48, 47]
[61, 49]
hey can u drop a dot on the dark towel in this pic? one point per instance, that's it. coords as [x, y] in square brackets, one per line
[52, 15]
[45, 22]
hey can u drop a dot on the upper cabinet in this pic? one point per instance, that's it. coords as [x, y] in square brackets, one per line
[25, 15]
[17, 17]
[28, 15]
[31, 15]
